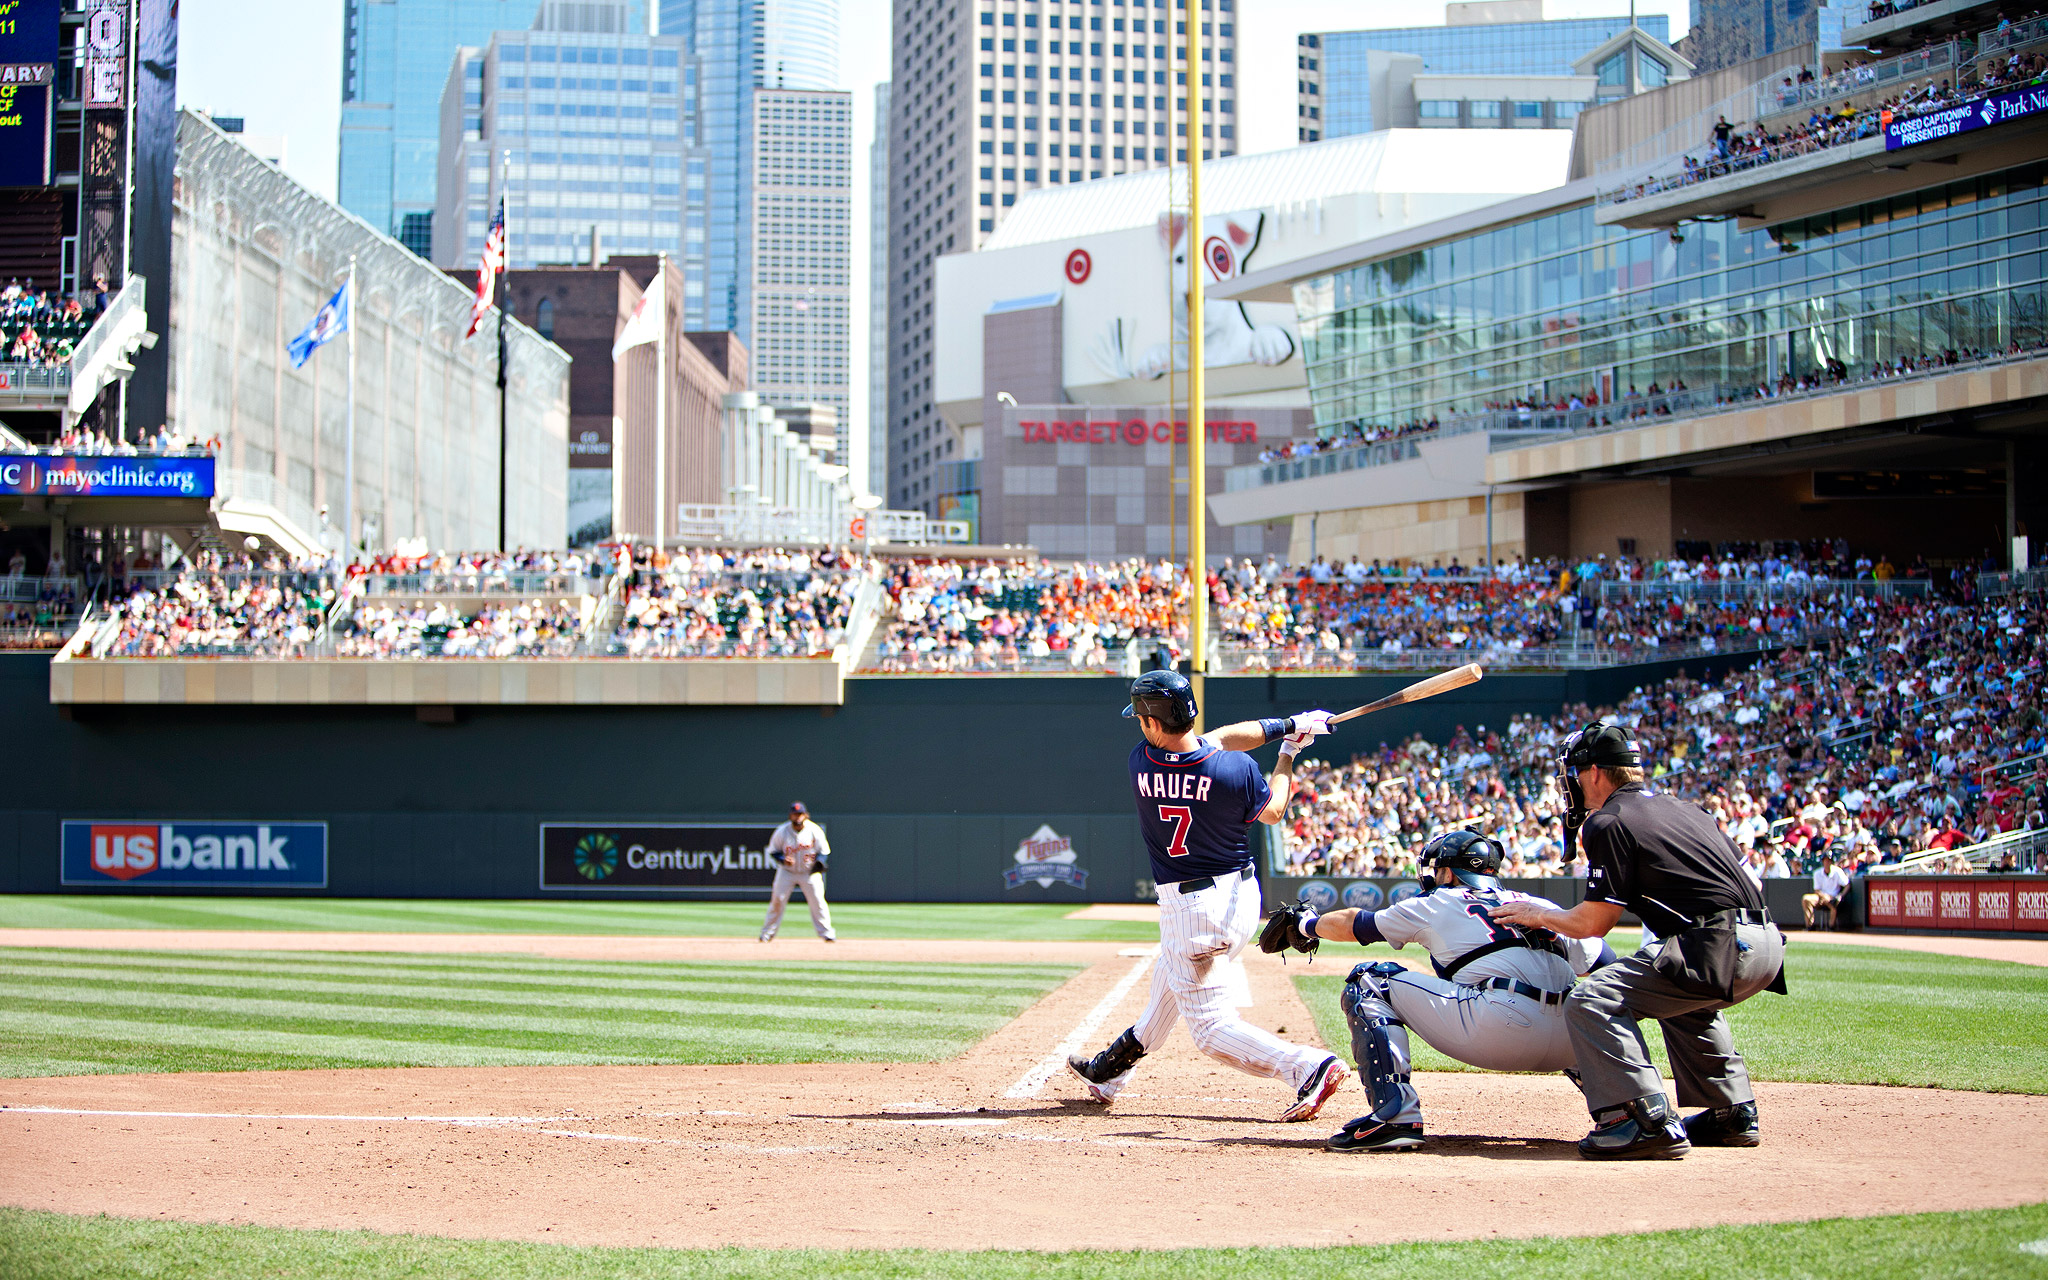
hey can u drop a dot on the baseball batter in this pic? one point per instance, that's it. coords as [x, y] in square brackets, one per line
[1197, 799]
[800, 851]
[1496, 1001]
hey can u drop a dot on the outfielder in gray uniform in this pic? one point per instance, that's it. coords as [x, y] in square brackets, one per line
[800, 851]
[1496, 1000]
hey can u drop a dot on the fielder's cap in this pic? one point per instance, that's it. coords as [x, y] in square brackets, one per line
[797, 806]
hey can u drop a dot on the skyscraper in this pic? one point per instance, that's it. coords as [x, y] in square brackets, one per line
[1725, 32]
[802, 252]
[875, 439]
[995, 97]
[394, 62]
[1334, 69]
[742, 45]
[601, 128]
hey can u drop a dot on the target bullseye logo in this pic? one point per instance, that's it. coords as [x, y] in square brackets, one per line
[597, 856]
[1079, 264]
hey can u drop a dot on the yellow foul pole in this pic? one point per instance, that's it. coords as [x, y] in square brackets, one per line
[1198, 506]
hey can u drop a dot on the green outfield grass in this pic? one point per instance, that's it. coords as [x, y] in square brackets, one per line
[1855, 1015]
[1936, 1246]
[1033, 921]
[66, 1012]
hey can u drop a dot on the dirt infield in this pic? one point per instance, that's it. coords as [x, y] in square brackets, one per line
[942, 1156]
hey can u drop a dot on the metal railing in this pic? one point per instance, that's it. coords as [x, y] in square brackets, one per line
[102, 354]
[789, 526]
[28, 590]
[1779, 98]
[2020, 582]
[38, 382]
[482, 582]
[1748, 589]
[2028, 847]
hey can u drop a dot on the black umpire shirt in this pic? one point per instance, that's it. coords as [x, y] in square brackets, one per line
[1640, 847]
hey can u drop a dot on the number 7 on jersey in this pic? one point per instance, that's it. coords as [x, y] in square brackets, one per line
[1182, 817]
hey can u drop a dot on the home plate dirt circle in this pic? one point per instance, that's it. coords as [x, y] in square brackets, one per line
[960, 1154]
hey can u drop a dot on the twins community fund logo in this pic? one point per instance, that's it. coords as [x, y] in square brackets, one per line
[1045, 858]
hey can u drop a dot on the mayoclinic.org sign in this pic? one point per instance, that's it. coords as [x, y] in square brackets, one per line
[236, 855]
[679, 856]
[106, 476]
[1953, 120]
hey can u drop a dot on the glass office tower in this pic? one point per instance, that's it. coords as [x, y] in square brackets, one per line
[394, 62]
[1342, 84]
[1551, 304]
[743, 45]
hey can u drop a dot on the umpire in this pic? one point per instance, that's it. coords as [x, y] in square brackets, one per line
[1670, 863]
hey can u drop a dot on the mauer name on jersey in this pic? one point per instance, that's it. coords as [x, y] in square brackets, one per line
[1173, 786]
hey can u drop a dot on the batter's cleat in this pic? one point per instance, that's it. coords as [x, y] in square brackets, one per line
[830, 937]
[1724, 1127]
[1643, 1129]
[1369, 1134]
[1326, 1080]
[1103, 1092]
[767, 937]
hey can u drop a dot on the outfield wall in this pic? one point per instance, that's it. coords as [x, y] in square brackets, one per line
[928, 786]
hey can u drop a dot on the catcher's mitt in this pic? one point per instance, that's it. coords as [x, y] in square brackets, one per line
[1283, 930]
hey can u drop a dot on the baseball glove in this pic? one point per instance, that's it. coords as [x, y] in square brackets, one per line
[1283, 930]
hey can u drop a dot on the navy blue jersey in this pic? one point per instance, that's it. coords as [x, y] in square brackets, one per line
[1196, 808]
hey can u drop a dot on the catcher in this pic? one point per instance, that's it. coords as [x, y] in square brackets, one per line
[1497, 1000]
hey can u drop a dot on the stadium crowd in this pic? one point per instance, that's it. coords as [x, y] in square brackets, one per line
[37, 327]
[1864, 747]
[749, 604]
[535, 629]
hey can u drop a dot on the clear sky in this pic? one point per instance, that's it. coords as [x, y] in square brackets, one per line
[278, 65]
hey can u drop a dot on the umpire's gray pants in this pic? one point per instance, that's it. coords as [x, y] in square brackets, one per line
[1604, 1007]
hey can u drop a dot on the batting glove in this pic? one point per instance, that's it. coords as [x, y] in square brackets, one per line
[1291, 745]
[1314, 723]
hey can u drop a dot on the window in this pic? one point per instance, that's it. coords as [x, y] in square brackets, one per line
[1566, 110]
[1528, 111]
[1485, 110]
[544, 318]
[1614, 71]
[1650, 73]
[1438, 109]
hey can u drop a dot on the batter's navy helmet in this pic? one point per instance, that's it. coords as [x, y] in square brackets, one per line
[1473, 858]
[1166, 696]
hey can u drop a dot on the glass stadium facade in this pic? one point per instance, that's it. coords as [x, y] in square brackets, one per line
[1552, 304]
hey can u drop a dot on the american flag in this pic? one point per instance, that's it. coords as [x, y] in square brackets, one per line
[487, 270]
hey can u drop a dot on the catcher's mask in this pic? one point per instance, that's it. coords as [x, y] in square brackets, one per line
[1598, 743]
[1474, 860]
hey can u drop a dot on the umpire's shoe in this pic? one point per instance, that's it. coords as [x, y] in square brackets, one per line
[1322, 1082]
[1370, 1134]
[1643, 1129]
[1724, 1127]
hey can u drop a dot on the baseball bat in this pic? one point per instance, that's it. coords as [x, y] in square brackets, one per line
[1442, 682]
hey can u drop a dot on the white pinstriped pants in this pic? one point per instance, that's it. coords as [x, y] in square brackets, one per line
[1195, 931]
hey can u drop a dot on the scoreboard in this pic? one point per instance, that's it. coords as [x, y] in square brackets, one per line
[28, 89]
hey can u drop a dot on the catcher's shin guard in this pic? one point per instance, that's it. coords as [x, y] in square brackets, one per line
[1379, 1041]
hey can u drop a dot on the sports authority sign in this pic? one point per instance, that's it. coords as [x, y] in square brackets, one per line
[1981, 114]
[674, 857]
[1045, 858]
[1976, 904]
[149, 855]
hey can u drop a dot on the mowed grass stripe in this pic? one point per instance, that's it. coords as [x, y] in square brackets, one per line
[906, 976]
[172, 1011]
[557, 1011]
[1040, 921]
[672, 997]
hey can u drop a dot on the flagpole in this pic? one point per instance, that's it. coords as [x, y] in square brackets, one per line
[504, 303]
[661, 407]
[348, 466]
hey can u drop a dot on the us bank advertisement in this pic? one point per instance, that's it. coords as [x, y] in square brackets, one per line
[215, 855]
[686, 857]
